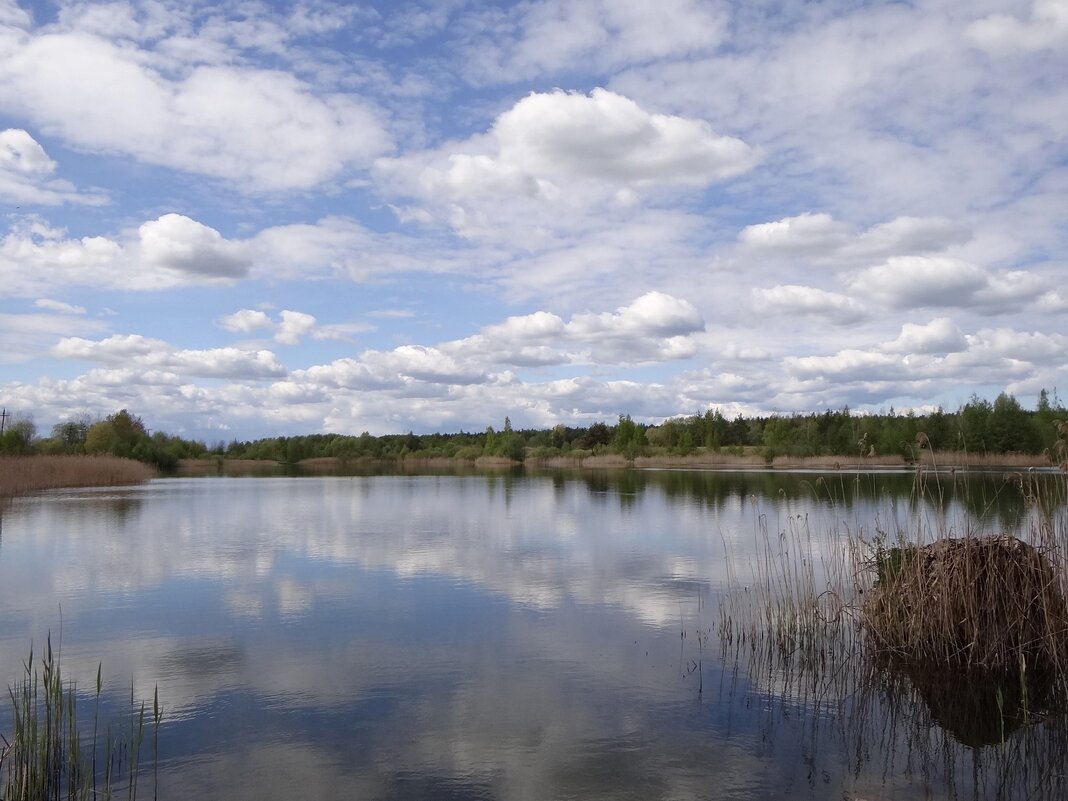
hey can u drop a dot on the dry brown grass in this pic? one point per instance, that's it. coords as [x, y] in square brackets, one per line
[606, 460]
[24, 474]
[928, 458]
[705, 459]
[494, 461]
[995, 603]
[838, 462]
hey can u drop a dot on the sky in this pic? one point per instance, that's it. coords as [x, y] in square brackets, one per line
[249, 219]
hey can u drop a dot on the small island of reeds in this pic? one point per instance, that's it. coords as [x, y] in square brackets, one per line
[953, 640]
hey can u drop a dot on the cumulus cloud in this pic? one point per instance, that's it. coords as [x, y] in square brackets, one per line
[260, 129]
[170, 251]
[926, 281]
[26, 170]
[792, 300]
[176, 242]
[608, 137]
[133, 350]
[566, 148]
[1047, 27]
[820, 236]
[654, 327]
[20, 152]
[654, 314]
[809, 231]
[935, 353]
[292, 326]
[245, 321]
[940, 335]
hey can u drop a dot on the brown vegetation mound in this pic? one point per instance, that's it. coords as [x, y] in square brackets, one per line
[22, 474]
[990, 602]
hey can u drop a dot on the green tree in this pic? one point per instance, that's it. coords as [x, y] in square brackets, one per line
[1010, 428]
[69, 436]
[974, 424]
[118, 434]
[629, 437]
[18, 437]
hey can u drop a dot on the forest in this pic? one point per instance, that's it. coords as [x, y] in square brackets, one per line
[978, 427]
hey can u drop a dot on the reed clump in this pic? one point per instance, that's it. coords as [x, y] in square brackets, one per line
[991, 602]
[54, 754]
[20, 475]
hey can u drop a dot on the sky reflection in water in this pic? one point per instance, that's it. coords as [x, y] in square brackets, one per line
[442, 637]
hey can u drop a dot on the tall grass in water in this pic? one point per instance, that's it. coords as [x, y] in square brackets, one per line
[22, 474]
[51, 754]
[934, 654]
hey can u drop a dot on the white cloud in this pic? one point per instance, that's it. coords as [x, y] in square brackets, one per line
[245, 321]
[655, 327]
[58, 306]
[925, 281]
[30, 336]
[26, 170]
[809, 231]
[1053, 302]
[940, 335]
[560, 151]
[607, 137]
[792, 300]
[175, 242]
[1025, 346]
[134, 350]
[654, 314]
[261, 129]
[292, 326]
[1046, 28]
[820, 236]
[848, 365]
[170, 251]
[556, 36]
[20, 152]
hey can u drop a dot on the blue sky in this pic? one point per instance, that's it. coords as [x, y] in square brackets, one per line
[245, 219]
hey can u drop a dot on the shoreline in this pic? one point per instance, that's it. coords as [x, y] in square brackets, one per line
[950, 461]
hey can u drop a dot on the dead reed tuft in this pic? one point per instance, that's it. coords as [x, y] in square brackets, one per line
[24, 474]
[992, 602]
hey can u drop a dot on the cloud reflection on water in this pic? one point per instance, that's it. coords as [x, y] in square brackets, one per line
[402, 637]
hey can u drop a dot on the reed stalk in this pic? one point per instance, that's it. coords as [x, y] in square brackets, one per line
[941, 650]
[46, 757]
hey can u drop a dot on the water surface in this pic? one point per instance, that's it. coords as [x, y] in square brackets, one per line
[499, 636]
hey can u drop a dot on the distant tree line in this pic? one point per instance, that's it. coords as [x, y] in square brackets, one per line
[979, 426]
[119, 434]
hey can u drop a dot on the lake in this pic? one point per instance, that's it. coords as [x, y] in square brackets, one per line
[502, 636]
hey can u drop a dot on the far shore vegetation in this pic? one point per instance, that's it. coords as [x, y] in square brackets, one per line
[978, 434]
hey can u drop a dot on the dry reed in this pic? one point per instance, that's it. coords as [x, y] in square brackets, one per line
[24, 474]
[926, 654]
[948, 459]
[994, 602]
[703, 459]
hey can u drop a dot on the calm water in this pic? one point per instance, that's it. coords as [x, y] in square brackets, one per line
[497, 637]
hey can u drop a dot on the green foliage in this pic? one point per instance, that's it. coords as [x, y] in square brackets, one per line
[629, 438]
[980, 426]
[18, 437]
